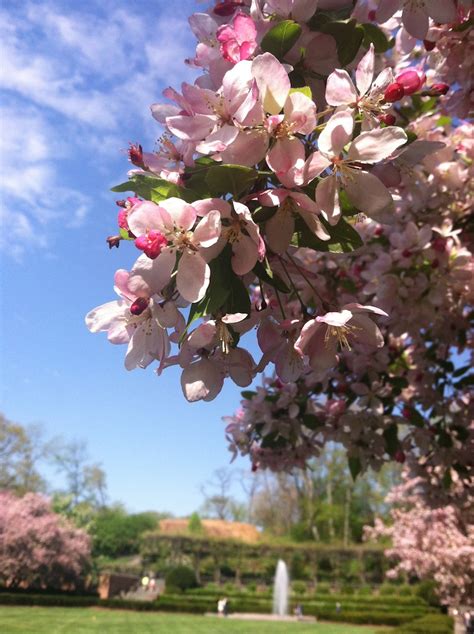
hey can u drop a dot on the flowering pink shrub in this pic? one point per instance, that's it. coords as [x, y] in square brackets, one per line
[429, 543]
[38, 548]
[313, 185]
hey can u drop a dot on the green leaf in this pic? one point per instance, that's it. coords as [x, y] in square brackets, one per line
[238, 300]
[465, 381]
[306, 90]
[415, 417]
[264, 213]
[281, 38]
[125, 234]
[218, 290]
[265, 273]
[460, 371]
[311, 421]
[155, 189]
[391, 439]
[248, 394]
[348, 36]
[374, 35]
[139, 184]
[234, 179]
[344, 238]
[355, 466]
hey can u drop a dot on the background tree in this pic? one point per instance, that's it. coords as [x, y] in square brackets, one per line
[40, 549]
[21, 450]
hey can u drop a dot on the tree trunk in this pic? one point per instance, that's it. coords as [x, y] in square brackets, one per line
[347, 512]
[329, 500]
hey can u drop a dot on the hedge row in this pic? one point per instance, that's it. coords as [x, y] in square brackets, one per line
[326, 598]
[432, 623]
[347, 605]
[182, 603]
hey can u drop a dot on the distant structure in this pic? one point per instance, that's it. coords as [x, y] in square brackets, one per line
[220, 529]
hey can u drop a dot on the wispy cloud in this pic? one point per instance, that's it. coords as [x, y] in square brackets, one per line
[77, 83]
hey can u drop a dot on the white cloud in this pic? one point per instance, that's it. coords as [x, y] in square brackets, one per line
[78, 83]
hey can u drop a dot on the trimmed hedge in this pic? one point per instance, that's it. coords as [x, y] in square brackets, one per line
[199, 605]
[432, 623]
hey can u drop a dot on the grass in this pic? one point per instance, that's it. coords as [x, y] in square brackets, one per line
[97, 621]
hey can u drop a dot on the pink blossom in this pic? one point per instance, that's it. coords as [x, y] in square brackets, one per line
[364, 190]
[281, 226]
[176, 220]
[415, 15]
[40, 549]
[238, 229]
[320, 337]
[136, 318]
[237, 39]
[368, 98]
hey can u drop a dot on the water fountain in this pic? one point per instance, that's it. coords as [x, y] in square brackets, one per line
[281, 593]
[281, 589]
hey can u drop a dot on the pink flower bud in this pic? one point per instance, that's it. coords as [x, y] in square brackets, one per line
[151, 244]
[406, 253]
[372, 15]
[440, 89]
[388, 119]
[122, 219]
[394, 92]
[139, 305]
[411, 81]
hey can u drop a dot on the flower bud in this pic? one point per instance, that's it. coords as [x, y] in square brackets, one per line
[429, 45]
[400, 456]
[372, 15]
[388, 119]
[439, 244]
[113, 241]
[135, 155]
[139, 305]
[226, 7]
[394, 92]
[411, 81]
[151, 244]
[122, 219]
[440, 88]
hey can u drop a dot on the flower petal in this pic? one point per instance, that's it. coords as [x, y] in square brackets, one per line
[336, 134]
[279, 230]
[272, 81]
[193, 276]
[208, 229]
[340, 90]
[202, 380]
[367, 192]
[244, 255]
[365, 71]
[327, 197]
[151, 276]
[442, 11]
[416, 20]
[145, 217]
[376, 145]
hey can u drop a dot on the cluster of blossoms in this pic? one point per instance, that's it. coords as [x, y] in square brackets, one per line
[431, 543]
[314, 190]
[40, 549]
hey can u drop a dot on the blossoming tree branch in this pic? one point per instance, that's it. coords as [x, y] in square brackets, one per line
[313, 186]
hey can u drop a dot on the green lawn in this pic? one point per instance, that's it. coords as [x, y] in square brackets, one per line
[98, 621]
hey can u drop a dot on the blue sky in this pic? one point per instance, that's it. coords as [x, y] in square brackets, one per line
[77, 82]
